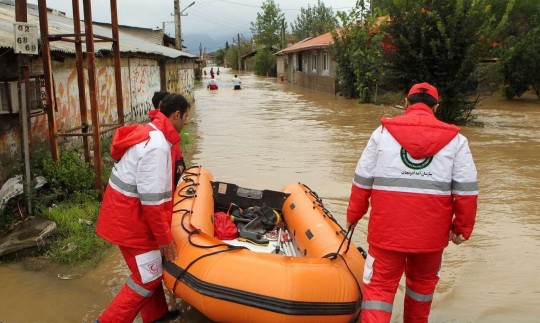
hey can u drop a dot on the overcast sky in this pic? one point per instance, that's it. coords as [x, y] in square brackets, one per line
[217, 18]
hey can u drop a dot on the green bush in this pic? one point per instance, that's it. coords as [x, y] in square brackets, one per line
[264, 63]
[520, 65]
[70, 174]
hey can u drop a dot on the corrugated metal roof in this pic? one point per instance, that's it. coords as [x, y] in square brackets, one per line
[322, 41]
[59, 24]
[151, 35]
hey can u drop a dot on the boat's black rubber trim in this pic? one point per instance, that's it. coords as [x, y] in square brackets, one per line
[268, 303]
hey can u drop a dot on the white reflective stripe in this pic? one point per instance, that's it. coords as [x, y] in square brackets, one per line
[377, 305]
[123, 187]
[139, 289]
[419, 297]
[363, 182]
[465, 188]
[155, 198]
[131, 190]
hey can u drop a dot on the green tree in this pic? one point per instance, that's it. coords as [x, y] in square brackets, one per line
[236, 50]
[314, 21]
[440, 42]
[268, 28]
[518, 46]
[219, 56]
[358, 50]
[264, 63]
[521, 65]
[518, 12]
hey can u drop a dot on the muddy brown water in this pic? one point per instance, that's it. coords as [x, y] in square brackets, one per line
[269, 135]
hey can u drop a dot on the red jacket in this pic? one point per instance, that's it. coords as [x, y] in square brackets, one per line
[419, 176]
[137, 206]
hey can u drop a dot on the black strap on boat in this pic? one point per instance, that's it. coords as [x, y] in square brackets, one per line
[191, 187]
[318, 202]
[348, 237]
[332, 256]
[190, 234]
[185, 270]
[191, 192]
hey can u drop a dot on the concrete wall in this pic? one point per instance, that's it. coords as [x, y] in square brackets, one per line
[316, 82]
[140, 79]
[180, 78]
[281, 71]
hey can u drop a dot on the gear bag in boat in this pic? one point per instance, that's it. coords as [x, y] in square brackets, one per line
[255, 212]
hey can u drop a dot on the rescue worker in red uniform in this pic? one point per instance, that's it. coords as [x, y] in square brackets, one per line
[136, 210]
[419, 176]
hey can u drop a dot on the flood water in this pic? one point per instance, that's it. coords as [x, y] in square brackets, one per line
[269, 135]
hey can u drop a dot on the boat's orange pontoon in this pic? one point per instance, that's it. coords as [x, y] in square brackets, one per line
[231, 283]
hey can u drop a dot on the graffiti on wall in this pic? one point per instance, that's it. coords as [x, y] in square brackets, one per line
[180, 80]
[67, 104]
[144, 82]
[140, 79]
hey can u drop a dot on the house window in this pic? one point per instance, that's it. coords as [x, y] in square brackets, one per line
[325, 61]
[314, 62]
[9, 96]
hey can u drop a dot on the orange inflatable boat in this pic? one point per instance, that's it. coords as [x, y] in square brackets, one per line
[318, 280]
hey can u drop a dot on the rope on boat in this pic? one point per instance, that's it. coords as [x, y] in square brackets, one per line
[189, 194]
[346, 237]
[333, 256]
[318, 202]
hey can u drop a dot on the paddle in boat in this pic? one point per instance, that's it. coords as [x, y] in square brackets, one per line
[311, 273]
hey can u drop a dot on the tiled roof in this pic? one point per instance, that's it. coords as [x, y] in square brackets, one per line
[322, 41]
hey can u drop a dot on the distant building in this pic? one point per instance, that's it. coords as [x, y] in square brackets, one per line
[308, 63]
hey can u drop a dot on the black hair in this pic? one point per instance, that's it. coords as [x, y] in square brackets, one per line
[422, 98]
[158, 97]
[172, 103]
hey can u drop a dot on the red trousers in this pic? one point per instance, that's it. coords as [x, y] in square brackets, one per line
[148, 298]
[382, 272]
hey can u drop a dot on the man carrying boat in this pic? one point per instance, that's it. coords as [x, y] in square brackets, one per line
[419, 176]
[136, 210]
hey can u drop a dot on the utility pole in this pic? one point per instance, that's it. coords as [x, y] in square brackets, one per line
[239, 61]
[282, 33]
[200, 60]
[177, 26]
[23, 85]
[200, 52]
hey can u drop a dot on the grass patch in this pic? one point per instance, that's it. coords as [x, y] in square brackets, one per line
[76, 242]
[187, 138]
